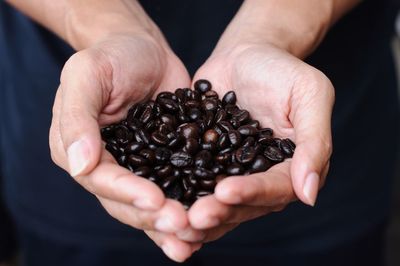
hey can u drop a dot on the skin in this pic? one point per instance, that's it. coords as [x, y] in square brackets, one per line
[123, 58]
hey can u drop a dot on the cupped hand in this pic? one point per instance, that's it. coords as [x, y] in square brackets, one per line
[98, 85]
[292, 98]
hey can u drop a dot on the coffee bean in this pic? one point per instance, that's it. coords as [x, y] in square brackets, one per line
[210, 136]
[247, 130]
[234, 169]
[203, 159]
[211, 146]
[165, 171]
[225, 126]
[202, 85]
[168, 104]
[249, 141]
[274, 154]
[220, 115]
[122, 160]
[189, 130]
[208, 184]
[162, 154]
[123, 135]
[218, 169]
[181, 159]
[211, 94]
[142, 171]
[147, 114]
[203, 173]
[209, 104]
[229, 98]
[223, 158]
[107, 132]
[135, 160]
[168, 119]
[194, 114]
[159, 138]
[234, 137]
[148, 154]
[134, 147]
[245, 154]
[202, 193]
[259, 164]
[223, 141]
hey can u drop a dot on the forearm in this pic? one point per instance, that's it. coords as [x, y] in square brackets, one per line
[83, 23]
[297, 26]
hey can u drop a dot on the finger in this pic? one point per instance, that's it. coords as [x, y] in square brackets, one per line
[311, 112]
[270, 188]
[109, 180]
[208, 212]
[174, 248]
[83, 87]
[55, 142]
[219, 231]
[170, 218]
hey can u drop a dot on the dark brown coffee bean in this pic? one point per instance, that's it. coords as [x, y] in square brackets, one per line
[181, 159]
[225, 126]
[162, 154]
[136, 160]
[107, 132]
[208, 184]
[274, 154]
[194, 114]
[218, 169]
[196, 96]
[247, 130]
[249, 141]
[220, 115]
[134, 147]
[203, 159]
[143, 171]
[259, 164]
[208, 119]
[165, 94]
[188, 193]
[134, 124]
[210, 136]
[211, 146]
[143, 136]
[234, 169]
[191, 146]
[234, 137]
[204, 173]
[223, 158]
[211, 94]
[176, 172]
[153, 178]
[193, 180]
[218, 129]
[209, 104]
[167, 182]
[242, 116]
[159, 138]
[189, 130]
[202, 193]
[180, 94]
[254, 123]
[231, 109]
[168, 105]
[165, 171]
[147, 114]
[192, 104]
[223, 141]
[123, 135]
[245, 154]
[229, 98]
[122, 160]
[226, 150]
[182, 117]
[174, 192]
[202, 85]
[235, 123]
[265, 140]
[148, 154]
[168, 119]
[134, 111]
[176, 141]
[151, 125]
[266, 132]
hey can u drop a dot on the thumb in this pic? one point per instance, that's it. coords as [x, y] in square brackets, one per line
[82, 99]
[311, 111]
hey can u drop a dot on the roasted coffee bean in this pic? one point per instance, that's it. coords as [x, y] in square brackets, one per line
[147, 114]
[202, 193]
[159, 138]
[203, 159]
[223, 141]
[148, 154]
[194, 114]
[203, 173]
[165, 171]
[247, 130]
[234, 137]
[229, 98]
[211, 146]
[245, 154]
[259, 164]
[189, 130]
[168, 104]
[191, 146]
[136, 160]
[209, 104]
[181, 159]
[234, 169]
[202, 85]
[143, 171]
[162, 154]
[208, 184]
[274, 154]
[210, 136]
[187, 141]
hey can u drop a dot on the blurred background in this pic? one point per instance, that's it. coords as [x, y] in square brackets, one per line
[393, 234]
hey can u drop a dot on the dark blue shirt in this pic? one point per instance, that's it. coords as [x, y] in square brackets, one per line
[355, 55]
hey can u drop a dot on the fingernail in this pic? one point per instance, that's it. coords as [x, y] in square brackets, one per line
[310, 188]
[165, 224]
[190, 235]
[145, 204]
[78, 157]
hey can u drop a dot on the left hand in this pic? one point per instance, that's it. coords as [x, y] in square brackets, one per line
[295, 100]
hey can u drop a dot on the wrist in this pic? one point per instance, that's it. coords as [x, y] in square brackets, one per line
[86, 24]
[294, 26]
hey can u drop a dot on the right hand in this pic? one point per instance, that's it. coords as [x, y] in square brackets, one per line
[98, 85]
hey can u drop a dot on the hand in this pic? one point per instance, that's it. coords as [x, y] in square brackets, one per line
[295, 100]
[98, 85]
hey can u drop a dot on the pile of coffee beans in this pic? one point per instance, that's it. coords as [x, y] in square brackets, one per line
[189, 140]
